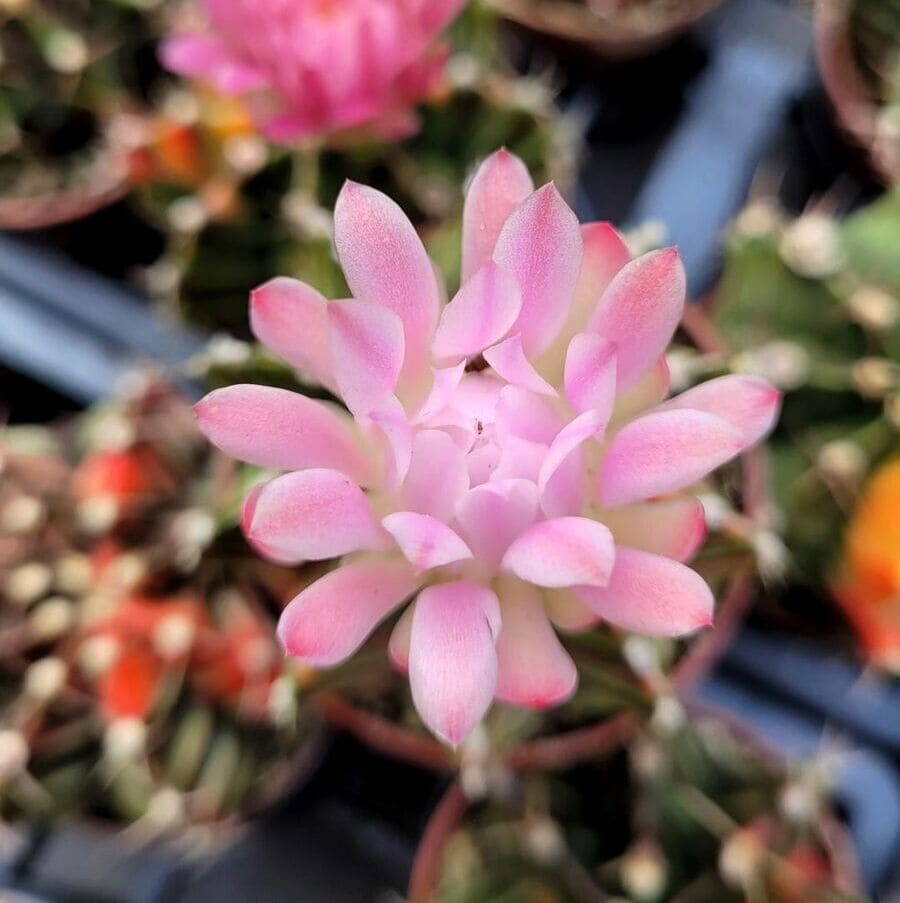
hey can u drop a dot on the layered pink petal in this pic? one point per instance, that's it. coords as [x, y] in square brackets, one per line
[498, 187]
[747, 402]
[478, 395]
[568, 612]
[483, 461]
[521, 413]
[452, 660]
[565, 551]
[438, 475]
[482, 313]
[443, 390]
[492, 515]
[664, 452]
[248, 509]
[534, 670]
[590, 374]
[367, 348]
[425, 541]
[276, 428]
[561, 477]
[290, 317]
[389, 427]
[605, 253]
[509, 361]
[313, 515]
[652, 595]
[398, 645]
[674, 528]
[332, 617]
[640, 311]
[647, 393]
[518, 459]
[385, 262]
[540, 244]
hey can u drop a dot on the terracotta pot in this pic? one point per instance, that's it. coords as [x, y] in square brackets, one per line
[855, 103]
[619, 37]
[107, 184]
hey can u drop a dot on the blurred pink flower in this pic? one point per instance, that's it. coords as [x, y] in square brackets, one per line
[315, 67]
[510, 459]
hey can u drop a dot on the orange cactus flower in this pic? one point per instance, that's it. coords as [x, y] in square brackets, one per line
[868, 586]
[130, 687]
[122, 475]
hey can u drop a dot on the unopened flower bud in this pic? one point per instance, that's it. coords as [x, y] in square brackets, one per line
[21, 515]
[51, 619]
[306, 216]
[27, 583]
[811, 247]
[95, 607]
[283, 700]
[166, 809]
[783, 363]
[162, 278]
[45, 678]
[645, 237]
[544, 841]
[124, 740]
[14, 754]
[110, 431]
[73, 574]
[246, 154]
[758, 219]
[842, 460]
[874, 308]
[66, 52]
[644, 872]
[128, 570]
[174, 636]
[474, 767]
[892, 409]
[683, 364]
[97, 515]
[464, 70]
[647, 758]
[225, 351]
[741, 857]
[182, 105]
[97, 654]
[716, 510]
[642, 655]
[772, 556]
[799, 802]
[668, 715]
[874, 377]
[194, 527]
[187, 214]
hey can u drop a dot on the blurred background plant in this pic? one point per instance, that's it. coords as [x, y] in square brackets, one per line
[66, 70]
[858, 47]
[688, 810]
[87, 116]
[609, 30]
[140, 677]
[812, 303]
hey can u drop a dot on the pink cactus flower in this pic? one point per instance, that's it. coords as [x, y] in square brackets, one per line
[510, 461]
[316, 67]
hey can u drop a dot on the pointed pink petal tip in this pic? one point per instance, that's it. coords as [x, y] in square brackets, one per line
[330, 619]
[452, 657]
[564, 551]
